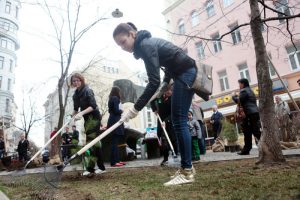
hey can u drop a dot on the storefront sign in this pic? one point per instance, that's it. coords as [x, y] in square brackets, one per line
[227, 99]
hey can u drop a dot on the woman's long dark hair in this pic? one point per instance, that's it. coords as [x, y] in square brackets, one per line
[115, 91]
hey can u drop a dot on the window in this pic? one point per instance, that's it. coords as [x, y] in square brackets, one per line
[7, 7]
[17, 12]
[117, 70]
[210, 8]
[181, 29]
[1, 62]
[3, 43]
[236, 35]
[282, 6]
[294, 56]
[0, 82]
[200, 50]
[227, 3]
[9, 84]
[6, 26]
[195, 18]
[244, 71]
[217, 43]
[223, 80]
[11, 65]
[271, 70]
[7, 105]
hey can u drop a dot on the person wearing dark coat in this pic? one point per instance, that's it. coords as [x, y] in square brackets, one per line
[158, 53]
[75, 135]
[84, 99]
[2, 147]
[251, 123]
[114, 116]
[22, 149]
[216, 121]
[66, 142]
[162, 107]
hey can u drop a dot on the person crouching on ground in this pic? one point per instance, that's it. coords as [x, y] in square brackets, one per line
[84, 99]
[162, 107]
[156, 52]
[196, 134]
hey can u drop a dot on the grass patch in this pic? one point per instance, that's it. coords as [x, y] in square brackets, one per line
[214, 180]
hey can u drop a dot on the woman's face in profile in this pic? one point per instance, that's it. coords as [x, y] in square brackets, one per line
[241, 85]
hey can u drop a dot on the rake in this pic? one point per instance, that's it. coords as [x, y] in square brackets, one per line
[39, 187]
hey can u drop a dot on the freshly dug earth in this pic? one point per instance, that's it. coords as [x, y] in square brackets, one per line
[214, 180]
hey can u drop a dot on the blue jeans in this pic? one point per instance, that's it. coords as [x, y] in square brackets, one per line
[181, 102]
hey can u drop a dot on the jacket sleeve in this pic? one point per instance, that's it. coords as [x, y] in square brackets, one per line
[235, 98]
[243, 96]
[91, 99]
[151, 60]
[76, 103]
[202, 113]
[198, 129]
[153, 105]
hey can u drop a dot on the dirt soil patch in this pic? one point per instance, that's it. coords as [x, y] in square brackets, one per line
[240, 179]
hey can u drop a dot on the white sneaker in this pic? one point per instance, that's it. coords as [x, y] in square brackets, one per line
[86, 173]
[99, 171]
[193, 172]
[180, 179]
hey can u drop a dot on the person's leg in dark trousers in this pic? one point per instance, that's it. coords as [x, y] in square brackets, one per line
[247, 135]
[254, 121]
[172, 136]
[114, 156]
[165, 148]
[99, 155]
[201, 142]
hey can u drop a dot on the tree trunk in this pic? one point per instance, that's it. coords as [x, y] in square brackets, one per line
[61, 112]
[269, 148]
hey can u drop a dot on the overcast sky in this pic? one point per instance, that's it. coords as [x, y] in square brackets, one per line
[36, 56]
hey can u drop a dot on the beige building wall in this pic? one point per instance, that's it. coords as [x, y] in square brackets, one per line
[234, 57]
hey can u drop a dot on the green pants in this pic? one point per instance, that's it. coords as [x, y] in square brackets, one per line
[94, 155]
[195, 148]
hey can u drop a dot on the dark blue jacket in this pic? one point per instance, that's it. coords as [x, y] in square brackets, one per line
[115, 114]
[217, 118]
[157, 53]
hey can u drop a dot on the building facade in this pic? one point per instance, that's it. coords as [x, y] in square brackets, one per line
[233, 57]
[9, 44]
